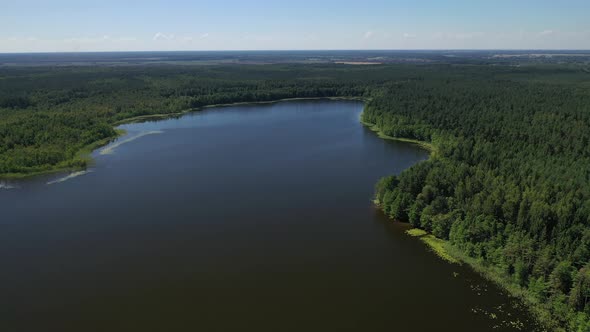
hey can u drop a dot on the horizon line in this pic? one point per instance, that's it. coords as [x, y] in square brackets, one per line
[312, 50]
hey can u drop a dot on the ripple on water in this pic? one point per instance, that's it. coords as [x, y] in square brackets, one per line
[111, 148]
[7, 185]
[69, 176]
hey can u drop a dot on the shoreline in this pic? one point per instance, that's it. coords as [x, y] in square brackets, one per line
[84, 154]
[423, 144]
[438, 246]
[162, 116]
[447, 252]
[442, 248]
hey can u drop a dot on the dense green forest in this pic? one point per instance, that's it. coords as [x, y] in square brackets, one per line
[508, 186]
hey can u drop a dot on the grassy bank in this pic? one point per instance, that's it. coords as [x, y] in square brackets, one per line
[438, 246]
[423, 144]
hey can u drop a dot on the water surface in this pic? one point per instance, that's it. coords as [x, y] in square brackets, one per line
[245, 218]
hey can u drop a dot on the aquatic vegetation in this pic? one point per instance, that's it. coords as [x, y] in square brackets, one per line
[437, 245]
[416, 232]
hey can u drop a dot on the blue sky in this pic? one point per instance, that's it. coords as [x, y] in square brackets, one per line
[107, 25]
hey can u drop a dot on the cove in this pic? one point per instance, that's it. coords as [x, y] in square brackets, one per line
[247, 218]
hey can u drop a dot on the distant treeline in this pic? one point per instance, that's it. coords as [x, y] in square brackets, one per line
[48, 114]
[508, 184]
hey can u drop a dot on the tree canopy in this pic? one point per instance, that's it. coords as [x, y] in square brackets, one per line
[509, 184]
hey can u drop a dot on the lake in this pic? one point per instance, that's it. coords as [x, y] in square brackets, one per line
[241, 218]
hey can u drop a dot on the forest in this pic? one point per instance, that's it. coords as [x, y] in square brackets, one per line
[508, 184]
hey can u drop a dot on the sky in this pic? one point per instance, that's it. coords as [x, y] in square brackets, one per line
[119, 25]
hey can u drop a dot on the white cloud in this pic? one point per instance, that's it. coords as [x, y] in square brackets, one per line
[409, 35]
[368, 34]
[205, 35]
[163, 36]
[546, 32]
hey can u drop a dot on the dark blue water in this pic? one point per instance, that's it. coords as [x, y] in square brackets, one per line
[245, 218]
